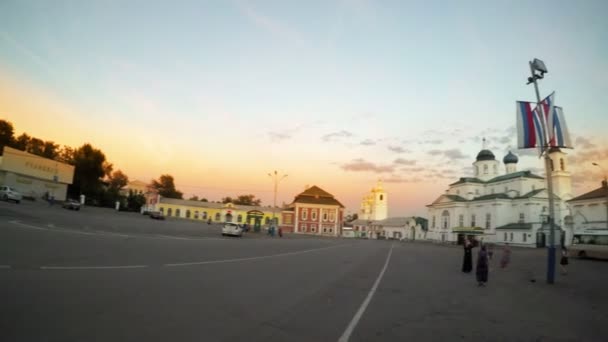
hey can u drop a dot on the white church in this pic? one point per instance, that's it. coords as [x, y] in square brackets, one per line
[502, 208]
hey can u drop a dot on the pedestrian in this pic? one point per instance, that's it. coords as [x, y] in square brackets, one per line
[482, 267]
[280, 232]
[506, 256]
[564, 260]
[467, 262]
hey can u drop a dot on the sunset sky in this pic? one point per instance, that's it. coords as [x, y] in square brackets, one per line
[335, 94]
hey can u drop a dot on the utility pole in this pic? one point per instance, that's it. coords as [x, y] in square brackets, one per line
[276, 178]
[538, 65]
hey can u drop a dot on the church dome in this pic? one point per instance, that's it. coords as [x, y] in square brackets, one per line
[510, 158]
[485, 155]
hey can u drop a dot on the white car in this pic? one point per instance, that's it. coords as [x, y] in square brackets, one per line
[232, 229]
[10, 194]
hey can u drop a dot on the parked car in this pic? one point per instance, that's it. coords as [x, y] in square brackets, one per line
[10, 194]
[157, 215]
[71, 204]
[232, 229]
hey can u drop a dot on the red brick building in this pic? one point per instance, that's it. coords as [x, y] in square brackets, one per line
[314, 211]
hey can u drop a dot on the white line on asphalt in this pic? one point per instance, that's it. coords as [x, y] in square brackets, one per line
[5, 266]
[251, 258]
[52, 228]
[91, 267]
[353, 323]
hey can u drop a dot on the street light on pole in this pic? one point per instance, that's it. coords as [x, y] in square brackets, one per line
[604, 185]
[538, 71]
[276, 178]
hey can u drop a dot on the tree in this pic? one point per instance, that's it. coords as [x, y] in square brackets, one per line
[22, 142]
[166, 187]
[204, 200]
[247, 200]
[193, 198]
[6, 134]
[117, 181]
[50, 150]
[135, 201]
[227, 200]
[88, 170]
[35, 146]
[65, 155]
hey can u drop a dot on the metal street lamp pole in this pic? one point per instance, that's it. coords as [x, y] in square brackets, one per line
[276, 179]
[548, 171]
[604, 184]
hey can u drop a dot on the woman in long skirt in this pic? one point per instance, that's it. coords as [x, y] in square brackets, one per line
[564, 260]
[482, 267]
[467, 262]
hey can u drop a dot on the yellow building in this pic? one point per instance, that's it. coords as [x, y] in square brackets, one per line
[34, 176]
[215, 212]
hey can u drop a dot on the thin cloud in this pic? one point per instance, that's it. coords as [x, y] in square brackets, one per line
[398, 179]
[402, 161]
[454, 154]
[279, 136]
[336, 135]
[361, 165]
[435, 152]
[398, 149]
[367, 142]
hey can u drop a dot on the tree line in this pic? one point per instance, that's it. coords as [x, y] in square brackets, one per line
[95, 177]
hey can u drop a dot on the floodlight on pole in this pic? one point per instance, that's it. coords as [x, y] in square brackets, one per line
[275, 177]
[539, 66]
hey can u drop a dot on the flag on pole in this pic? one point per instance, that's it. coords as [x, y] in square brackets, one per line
[560, 129]
[547, 106]
[526, 126]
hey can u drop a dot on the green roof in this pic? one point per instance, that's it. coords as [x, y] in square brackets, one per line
[527, 174]
[468, 180]
[491, 196]
[456, 198]
[516, 226]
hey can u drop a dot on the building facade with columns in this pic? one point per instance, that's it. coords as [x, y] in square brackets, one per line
[314, 212]
[496, 207]
[374, 205]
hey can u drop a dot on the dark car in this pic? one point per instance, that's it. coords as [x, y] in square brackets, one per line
[157, 215]
[71, 204]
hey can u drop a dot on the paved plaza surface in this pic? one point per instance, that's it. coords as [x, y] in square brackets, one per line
[101, 275]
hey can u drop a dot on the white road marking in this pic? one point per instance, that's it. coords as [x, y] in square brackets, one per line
[5, 266]
[250, 258]
[53, 228]
[91, 267]
[188, 238]
[353, 323]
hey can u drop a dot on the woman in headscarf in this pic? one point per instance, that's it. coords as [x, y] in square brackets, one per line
[482, 267]
[467, 262]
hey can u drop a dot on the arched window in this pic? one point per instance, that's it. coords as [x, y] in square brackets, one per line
[485, 169]
[552, 168]
[169, 212]
[445, 219]
[188, 213]
[217, 216]
[267, 220]
[228, 218]
[177, 212]
[495, 169]
[196, 214]
[204, 216]
[476, 170]
[562, 166]
[381, 197]
[162, 210]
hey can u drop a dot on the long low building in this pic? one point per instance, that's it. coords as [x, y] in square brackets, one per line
[399, 228]
[214, 212]
[34, 176]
